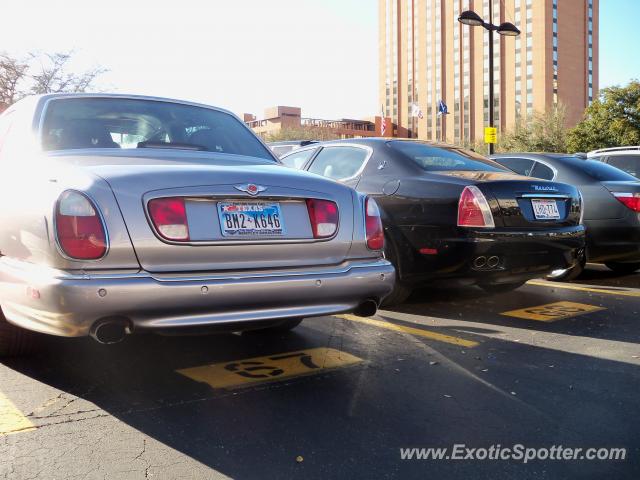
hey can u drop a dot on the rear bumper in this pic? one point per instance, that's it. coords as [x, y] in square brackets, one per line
[522, 255]
[67, 304]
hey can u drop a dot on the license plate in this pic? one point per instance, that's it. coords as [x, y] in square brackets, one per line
[545, 209]
[250, 219]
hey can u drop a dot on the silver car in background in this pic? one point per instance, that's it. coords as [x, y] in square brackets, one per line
[125, 213]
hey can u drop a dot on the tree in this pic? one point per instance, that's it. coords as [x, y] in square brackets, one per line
[53, 77]
[613, 120]
[301, 133]
[12, 74]
[540, 132]
[41, 73]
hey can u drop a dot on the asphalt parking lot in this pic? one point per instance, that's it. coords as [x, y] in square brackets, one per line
[339, 397]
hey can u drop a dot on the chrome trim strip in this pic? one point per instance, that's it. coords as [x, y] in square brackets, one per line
[208, 276]
[544, 195]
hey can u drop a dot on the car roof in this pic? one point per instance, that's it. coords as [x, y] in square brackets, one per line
[302, 143]
[629, 150]
[371, 141]
[539, 155]
[53, 96]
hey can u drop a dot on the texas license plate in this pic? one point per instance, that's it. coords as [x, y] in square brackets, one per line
[250, 219]
[545, 209]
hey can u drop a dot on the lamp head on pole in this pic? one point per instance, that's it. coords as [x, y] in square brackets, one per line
[471, 18]
[508, 29]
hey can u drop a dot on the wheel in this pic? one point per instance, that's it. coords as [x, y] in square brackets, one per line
[569, 274]
[623, 268]
[500, 287]
[284, 326]
[401, 290]
[14, 340]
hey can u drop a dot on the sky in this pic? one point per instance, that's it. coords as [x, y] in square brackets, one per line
[247, 55]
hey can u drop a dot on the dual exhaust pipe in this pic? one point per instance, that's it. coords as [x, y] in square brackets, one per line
[483, 262]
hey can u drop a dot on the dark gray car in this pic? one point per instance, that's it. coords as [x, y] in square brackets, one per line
[611, 205]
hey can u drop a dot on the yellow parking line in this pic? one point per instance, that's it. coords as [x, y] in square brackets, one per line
[239, 373]
[11, 419]
[552, 312]
[413, 331]
[624, 293]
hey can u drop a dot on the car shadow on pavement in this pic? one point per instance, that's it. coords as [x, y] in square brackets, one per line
[615, 319]
[349, 423]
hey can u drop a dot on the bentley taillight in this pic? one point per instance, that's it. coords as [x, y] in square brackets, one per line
[473, 209]
[79, 229]
[169, 216]
[323, 215]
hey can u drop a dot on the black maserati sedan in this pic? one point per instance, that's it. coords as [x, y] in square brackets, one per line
[611, 206]
[452, 215]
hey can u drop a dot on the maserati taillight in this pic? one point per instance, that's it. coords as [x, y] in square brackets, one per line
[373, 224]
[79, 229]
[169, 216]
[323, 215]
[630, 200]
[473, 209]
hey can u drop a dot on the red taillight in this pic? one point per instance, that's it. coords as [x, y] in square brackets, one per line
[630, 200]
[79, 228]
[169, 216]
[373, 224]
[323, 215]
[473, 209]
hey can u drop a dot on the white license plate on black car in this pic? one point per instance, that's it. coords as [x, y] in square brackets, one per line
[545, 209]
[250, 219]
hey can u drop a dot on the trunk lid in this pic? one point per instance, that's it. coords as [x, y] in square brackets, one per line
[523, 202]
[205, 186]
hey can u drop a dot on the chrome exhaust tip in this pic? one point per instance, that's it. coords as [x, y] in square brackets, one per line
[110, 331]
[493, 262]
[480, 262]
[368, 308]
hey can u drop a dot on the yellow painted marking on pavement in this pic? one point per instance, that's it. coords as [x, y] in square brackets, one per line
[413, 331]
[553, 311]
[239, 373]
[11, 419]
[607, 291]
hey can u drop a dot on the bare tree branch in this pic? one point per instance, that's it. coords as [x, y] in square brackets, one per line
[53, 76]
[12, 74]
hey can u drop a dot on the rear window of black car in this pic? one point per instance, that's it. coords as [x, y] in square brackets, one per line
[111, 122]
[601, 171]
[436, 159]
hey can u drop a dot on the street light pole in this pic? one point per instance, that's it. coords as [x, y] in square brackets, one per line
[472, 19]
[491, 109]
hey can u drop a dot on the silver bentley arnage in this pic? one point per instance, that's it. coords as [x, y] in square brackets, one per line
[127, 213]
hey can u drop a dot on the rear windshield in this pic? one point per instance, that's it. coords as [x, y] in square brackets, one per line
[80, 123]
[601, 171]
[434, 159]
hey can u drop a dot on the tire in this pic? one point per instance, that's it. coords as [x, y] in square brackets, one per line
[15, 341]
[623, 268]
[282, 327]
[500, 287]
[398, 295]
[401, 291]
[569, 273]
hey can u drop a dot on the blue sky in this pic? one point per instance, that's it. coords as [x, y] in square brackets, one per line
[619, 40]
[246, 55]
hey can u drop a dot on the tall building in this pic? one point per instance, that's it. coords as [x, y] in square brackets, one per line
[426, 55]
